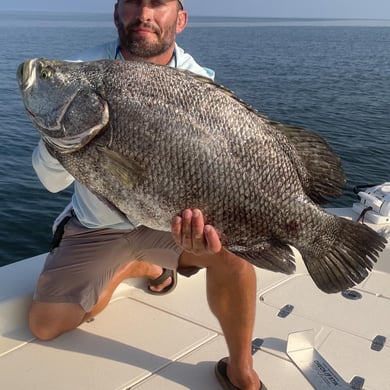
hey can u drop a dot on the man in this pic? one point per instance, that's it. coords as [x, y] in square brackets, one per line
[102, 248]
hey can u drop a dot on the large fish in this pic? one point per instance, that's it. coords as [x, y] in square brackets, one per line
[151, 141]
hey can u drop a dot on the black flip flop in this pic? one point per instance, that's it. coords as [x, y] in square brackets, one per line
[221, 374]
[161, 279]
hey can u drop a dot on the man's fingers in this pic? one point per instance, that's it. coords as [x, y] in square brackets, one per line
[212, 238]
[176, 229]
[190, 232]
[198, 238]
[186, 230]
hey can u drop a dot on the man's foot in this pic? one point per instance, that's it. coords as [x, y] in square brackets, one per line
[223, 379]
[164, 284]
[161, 280]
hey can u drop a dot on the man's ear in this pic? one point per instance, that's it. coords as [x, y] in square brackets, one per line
[116, 14]
[182, 20]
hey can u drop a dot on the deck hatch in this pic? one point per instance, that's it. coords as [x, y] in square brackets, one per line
[285, 311]
[357, 383]
[378, 343]
[256, 345]
[352, 295]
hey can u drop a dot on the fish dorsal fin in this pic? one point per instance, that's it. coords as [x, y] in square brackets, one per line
[129, 172]
[320, 171]
[219, 87]
[323, 175]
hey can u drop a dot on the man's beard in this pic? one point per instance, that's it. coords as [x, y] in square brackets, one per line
[140, 46]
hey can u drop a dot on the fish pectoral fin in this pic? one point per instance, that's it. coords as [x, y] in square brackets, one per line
[127, 171]
[271, 255]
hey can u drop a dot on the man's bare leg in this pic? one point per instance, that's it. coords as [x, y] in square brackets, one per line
[133, 269]
[49, 320]
[231, 292]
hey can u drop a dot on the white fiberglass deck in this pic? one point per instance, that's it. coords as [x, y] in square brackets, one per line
[147, 342]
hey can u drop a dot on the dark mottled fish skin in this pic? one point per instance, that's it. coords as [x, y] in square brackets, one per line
[158, 140]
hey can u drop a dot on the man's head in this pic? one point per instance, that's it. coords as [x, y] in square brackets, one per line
[147, 29]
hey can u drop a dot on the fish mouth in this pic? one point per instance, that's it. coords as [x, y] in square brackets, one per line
[26, 78]
[53, 128]
[25, 74]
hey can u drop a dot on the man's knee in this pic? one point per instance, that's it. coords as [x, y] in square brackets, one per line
[41, 331]
[237, 266]
[49, 320]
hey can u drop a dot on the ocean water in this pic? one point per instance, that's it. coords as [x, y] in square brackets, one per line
[332, 76]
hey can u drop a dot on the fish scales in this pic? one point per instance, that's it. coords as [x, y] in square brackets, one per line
[152, 141]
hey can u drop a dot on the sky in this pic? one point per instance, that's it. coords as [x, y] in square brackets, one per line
[352, 9]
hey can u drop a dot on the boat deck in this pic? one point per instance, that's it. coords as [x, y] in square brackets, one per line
[148, 342]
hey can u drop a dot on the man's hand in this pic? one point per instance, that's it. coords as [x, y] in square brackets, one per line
[190, 232]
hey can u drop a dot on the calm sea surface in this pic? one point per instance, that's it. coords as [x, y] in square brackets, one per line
[332, 76]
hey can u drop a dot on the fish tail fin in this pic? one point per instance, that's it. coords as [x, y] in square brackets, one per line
[349, 259]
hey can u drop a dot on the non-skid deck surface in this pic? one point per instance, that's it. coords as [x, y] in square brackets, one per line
[172, 342]
[149, 342]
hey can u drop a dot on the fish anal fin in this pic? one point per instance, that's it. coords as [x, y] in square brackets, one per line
[271, 255]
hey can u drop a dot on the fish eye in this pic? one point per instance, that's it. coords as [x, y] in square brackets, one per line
[46, 73]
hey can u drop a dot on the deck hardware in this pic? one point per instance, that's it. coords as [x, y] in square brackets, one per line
[378, 343]
[285, 311]
[256, 345]
[357, 383]
[321, 375]
[353, 295]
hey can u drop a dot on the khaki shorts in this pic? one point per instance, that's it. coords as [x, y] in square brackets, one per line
[79, 268]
